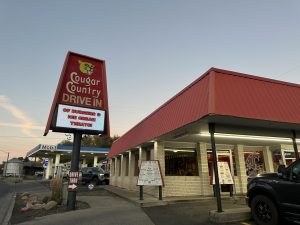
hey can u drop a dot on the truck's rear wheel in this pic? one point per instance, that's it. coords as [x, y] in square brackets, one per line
[264, 211]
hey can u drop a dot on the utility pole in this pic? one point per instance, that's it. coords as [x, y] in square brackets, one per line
[6, 160]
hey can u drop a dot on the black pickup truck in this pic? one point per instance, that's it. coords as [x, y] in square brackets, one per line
[94, 175]
[274, 196]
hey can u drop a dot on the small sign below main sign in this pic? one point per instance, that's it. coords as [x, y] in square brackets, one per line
[80, 118]
[73, 181]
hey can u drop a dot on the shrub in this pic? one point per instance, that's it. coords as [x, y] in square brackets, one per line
[56, 186]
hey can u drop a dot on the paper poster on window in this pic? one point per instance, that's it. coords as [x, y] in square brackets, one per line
[225, 176]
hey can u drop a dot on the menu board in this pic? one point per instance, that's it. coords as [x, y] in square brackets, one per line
[150, 174]
[225, 176]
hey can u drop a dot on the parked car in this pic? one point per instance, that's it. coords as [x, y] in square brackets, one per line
[274, 196]
[39, 173]
[94, 175]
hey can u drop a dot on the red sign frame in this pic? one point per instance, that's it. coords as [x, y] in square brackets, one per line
[82, 83]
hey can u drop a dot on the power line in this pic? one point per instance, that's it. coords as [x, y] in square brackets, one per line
[26, 137]
[290, 70]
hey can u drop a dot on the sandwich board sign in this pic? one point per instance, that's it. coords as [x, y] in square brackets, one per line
[225, 176]
[150, 174]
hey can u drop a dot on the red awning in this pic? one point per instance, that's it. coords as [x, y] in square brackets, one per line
[217, 92]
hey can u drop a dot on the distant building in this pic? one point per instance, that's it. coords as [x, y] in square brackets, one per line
[14, 167]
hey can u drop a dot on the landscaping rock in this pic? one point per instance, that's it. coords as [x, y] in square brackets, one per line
[24, 198]
[33, 199]
[38, 206]
[25, 194]
[50, 205]
[27, 207]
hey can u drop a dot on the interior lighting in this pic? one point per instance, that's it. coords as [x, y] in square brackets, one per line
[248, 137]
[178, 150]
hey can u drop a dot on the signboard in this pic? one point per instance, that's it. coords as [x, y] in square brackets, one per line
[45, 163]
[81, 90]
[80, 118]
[73, 181]
[225, 176]
[48, 147]
[150, 174]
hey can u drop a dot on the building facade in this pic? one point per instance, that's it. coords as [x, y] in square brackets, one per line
[256, 123]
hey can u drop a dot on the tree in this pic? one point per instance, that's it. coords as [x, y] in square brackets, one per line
[94, 141]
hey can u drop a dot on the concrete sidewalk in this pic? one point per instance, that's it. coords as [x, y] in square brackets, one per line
[234, 208]
[105, 210]
[149, 200]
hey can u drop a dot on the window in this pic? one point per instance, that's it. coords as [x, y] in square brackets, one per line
[181, 162]
[119, 165]
[296, 172]
[136, 163]
[126, 162]
[254, 162]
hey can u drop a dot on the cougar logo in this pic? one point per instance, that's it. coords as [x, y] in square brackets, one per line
[86, 68]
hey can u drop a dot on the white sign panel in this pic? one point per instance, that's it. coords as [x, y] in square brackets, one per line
[225, 176]
[80, 118]
[150, 174]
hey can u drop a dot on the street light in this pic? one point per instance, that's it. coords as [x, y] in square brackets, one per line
[6, 160]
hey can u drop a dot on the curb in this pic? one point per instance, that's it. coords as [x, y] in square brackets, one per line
[230, 215]
[6, 220]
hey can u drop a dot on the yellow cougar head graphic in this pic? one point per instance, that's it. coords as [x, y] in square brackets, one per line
[86, 68]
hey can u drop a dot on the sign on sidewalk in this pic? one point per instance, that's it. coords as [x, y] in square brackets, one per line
[225, 176]
[150, 174]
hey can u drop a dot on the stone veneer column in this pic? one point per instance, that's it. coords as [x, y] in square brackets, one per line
[159, 154]
[142, 155]
[117, 167]
[49, 170]
[240, 168]
[268, 159]
[95, 160]
[206, 188]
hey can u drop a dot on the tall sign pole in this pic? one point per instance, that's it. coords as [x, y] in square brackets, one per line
[80, 106]
[71, 201]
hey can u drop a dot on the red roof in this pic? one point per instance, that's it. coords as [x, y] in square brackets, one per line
[217, 92]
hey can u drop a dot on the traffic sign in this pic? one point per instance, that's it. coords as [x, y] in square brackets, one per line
[45, 164]
[72, 187]
[73, 181]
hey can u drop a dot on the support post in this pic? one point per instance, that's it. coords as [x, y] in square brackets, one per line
[211, 127]
[295, 145]
[141, 193]
[71, 202]
[160, 192]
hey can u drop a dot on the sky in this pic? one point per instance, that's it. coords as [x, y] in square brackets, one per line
[152, 50]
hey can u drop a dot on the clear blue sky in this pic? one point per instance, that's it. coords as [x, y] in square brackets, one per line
[152, 49]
